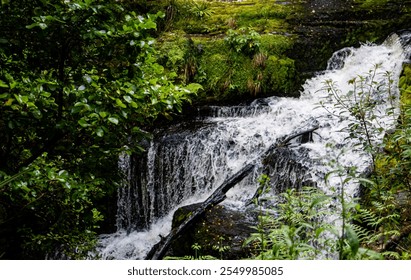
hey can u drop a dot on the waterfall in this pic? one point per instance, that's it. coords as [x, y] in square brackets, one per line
[184, 164]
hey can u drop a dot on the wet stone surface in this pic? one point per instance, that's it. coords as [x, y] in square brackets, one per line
[219, 227]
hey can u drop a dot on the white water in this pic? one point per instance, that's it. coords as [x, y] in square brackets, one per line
[185, 168]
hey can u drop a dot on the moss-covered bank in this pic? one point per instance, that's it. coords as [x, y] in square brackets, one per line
[236, 50]
[240, 50]
[242, 65]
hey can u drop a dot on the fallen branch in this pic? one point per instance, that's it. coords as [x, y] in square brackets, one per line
[302, 133]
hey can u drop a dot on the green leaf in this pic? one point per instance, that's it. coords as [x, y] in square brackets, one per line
[127, 98]
[83, 123]
[3, 84]
[46, 94]
[113, 120]
[194, 87]
[366, 181]
[22, 99]
[120, 103]
[134, 104]
[100, 132]
[103, 114]
[353, 240]
[83, 107]
[149, 25]
[37, 114]
[35, 24]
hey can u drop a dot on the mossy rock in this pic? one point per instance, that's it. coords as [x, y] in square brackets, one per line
[280, 75]
[220, 227]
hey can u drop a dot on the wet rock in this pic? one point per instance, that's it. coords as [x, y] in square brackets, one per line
[219, 228]
[324, 26]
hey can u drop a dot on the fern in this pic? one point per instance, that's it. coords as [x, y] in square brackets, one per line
[391, 255]
[361, 232]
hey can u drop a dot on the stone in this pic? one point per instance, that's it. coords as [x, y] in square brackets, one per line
[219, 227]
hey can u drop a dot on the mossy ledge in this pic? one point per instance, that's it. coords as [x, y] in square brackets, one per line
[241, 50]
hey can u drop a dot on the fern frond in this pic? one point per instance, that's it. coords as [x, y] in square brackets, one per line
[391, 255]
[361, 232]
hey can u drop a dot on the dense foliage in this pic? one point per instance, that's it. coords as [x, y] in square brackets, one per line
[79, 82]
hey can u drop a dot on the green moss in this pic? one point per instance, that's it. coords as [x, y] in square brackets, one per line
[372, 3]
[215, 72]
[263, 17]
[279, 75]
[224, 69]
[226, 66]
[218, 17]
[229, 74]
[241, 73]
[275, 44]
[180, 216]
[172, 49]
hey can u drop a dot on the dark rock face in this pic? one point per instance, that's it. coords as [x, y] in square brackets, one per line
[328, 5]
[324, 26]
[219, 227]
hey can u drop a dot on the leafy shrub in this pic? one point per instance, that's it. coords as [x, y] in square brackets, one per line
[245, 40]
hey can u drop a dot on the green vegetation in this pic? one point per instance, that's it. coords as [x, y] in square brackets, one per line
[224, 46]
[391, 199]
[194, 32]
[372, 3]
[79, 82]
[242, 65]
[375, 226]
[216, 17]
[300, 230]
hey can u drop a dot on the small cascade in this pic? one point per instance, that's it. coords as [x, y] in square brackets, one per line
[257, 107]
[184, 164]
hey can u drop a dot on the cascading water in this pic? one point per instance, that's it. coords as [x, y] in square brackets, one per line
[185, 164]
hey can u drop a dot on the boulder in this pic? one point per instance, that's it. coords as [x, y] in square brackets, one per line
[219, 227]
